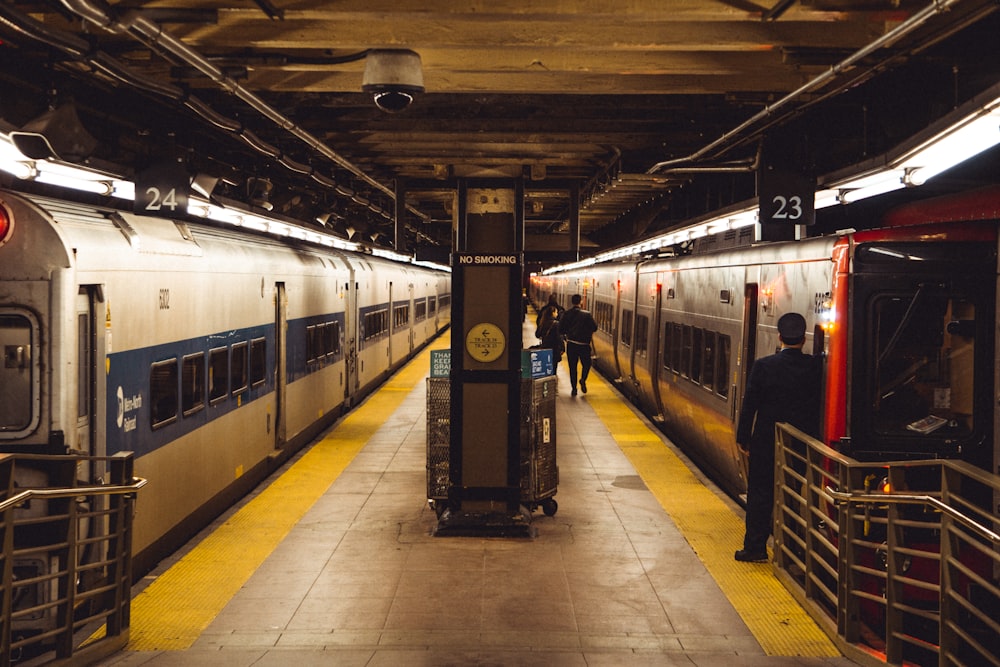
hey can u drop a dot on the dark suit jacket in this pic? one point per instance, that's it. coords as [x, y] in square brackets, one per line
[577, 325]
[784, 387]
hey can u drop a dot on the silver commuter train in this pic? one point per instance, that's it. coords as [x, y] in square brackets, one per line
[210, 353]
[903, 311]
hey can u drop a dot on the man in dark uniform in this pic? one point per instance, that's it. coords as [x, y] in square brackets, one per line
[783, 387]
[578, 327]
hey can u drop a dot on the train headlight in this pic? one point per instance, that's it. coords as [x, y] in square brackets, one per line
[6, 224]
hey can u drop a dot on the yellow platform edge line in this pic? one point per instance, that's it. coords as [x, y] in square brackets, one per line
[714, 531]
[172, 612]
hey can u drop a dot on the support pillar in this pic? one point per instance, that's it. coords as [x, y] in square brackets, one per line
[484, 459]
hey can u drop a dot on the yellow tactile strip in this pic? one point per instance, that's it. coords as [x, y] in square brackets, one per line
[171, 613]
[778, 623]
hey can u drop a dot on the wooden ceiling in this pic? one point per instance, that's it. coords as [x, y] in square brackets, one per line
[580, 98]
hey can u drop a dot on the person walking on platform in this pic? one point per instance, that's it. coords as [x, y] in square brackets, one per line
[548, 332]
[577, 326]
[783, 387]
[550, 311]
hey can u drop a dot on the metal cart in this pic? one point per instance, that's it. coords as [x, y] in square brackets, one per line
[539, 472]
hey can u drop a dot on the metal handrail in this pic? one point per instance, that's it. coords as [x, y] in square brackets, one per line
[828, 559]
[72, 492]
[842, 497]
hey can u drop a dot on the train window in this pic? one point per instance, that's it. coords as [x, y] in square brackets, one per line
[18, 372]
[924, 352]
[258, 361]
[218, 374]
[420, 310]
[431, 305]
[376, 323]
[641, 334]
[400, 316]
[708, 367]
[602, 316]
[239, 368]
[334, 337]
[163, 393]
[313, 343]
[696, 353]
[722, 366]
[626, 327]
[685, 365]
[676, 347]
[83, 363]
[192, 384]
[667, 330]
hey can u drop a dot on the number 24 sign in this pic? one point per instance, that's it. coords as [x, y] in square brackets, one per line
[162, 189]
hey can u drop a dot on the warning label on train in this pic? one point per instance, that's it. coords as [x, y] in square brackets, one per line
[504, 260]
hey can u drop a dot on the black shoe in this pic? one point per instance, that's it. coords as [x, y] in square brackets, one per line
[583, 386]
[745, 556]
[573, 393]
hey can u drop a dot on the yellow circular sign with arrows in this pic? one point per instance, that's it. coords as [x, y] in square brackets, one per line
[485, 342]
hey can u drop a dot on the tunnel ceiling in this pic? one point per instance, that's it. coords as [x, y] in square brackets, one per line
[580, 99]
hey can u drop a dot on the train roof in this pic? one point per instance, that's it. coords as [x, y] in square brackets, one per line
[979, 204]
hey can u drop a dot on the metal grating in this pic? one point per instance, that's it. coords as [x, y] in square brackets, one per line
[539, 473]
[438, 436]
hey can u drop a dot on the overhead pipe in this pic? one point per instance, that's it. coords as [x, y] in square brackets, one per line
[900, 31]
[153, 36]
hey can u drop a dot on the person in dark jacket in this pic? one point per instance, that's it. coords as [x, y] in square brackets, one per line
[549, 312]
[577, 326]
[784, 387]
[548, 331]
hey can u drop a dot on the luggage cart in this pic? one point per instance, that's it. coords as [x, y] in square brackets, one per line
[539, 473]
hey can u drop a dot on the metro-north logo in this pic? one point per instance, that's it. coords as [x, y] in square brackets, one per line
[125, 406]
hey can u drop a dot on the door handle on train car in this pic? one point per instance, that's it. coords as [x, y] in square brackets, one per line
[17, 356]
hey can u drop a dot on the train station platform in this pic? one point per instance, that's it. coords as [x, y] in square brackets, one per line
[334, 561]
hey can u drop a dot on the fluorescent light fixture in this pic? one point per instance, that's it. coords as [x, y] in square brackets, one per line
[870, 184]
[68, 181]
[881, 188]
[123, 190]
[20, 170]
[58, 174]
[826, 198]
[78, 178]
[966, 139]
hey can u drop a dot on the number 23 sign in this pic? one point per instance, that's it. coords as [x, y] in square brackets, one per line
[786, 198]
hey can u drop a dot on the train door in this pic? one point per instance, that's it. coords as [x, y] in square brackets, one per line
[19, 373]
[89, 441]
[748, 353]
[411, 317]
[656, 341]
[392, 328]
[625, 348]
[616, 327]
[86, 441]
[350, 335]
[280, 363]
[643, 344]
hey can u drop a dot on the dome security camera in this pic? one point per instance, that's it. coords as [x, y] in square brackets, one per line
[393, 77]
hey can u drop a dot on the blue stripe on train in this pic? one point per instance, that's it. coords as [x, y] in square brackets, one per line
[130, 410]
